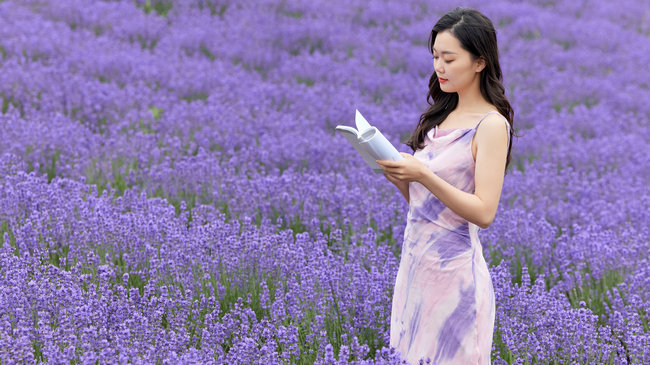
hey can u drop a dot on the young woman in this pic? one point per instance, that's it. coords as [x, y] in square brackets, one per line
[443, 305]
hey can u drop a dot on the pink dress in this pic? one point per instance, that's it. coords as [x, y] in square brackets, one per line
[443, 304]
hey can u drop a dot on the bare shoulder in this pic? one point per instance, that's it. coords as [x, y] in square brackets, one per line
[493, 130]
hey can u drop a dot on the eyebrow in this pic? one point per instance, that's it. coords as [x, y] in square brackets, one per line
[443, 52]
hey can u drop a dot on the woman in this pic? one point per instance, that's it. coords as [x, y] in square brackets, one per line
[443, 304]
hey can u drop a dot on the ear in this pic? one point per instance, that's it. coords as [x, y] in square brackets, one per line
[479, 64]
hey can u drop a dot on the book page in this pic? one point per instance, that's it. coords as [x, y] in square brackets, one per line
[369, 142]
[379, 147]
[361, 122]
[351, 136]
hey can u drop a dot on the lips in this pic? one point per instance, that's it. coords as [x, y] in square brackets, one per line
[441, 79]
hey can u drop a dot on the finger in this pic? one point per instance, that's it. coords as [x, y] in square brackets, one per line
[393, 179]
[390, 171]
[387, 163]
[397, 177]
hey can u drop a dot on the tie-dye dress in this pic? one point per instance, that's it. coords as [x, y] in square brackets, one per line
[443, 305]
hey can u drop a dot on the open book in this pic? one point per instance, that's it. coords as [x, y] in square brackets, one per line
[369, 142]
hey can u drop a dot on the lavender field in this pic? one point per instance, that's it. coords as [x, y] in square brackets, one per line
[172, 189]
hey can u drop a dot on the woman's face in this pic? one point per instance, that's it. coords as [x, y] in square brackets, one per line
[453, 65]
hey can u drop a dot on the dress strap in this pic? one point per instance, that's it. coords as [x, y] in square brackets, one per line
[502, 117]
[488, 113]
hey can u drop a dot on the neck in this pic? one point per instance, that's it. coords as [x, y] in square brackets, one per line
[470, 99]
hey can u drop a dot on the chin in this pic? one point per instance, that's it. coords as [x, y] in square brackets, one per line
[446, 89]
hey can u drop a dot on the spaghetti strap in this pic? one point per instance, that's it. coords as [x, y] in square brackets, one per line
[502, 117]
[488, 113]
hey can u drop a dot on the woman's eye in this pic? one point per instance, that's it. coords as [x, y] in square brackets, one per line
[435, 58]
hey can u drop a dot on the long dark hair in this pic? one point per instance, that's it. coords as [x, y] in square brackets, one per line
[478, 36]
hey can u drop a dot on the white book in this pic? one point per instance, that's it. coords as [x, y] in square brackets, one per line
[369, 142]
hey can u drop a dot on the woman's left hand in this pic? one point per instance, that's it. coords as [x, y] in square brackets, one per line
[408, 169]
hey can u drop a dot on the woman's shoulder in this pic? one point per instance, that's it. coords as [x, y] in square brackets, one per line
[493, 128]
[494, 118]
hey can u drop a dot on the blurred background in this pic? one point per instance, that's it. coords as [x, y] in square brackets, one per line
[172, 188]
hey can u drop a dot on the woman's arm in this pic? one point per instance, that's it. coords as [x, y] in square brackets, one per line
[402, 186]
[480, 207]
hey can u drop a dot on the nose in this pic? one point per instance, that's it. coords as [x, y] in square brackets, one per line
[437, 66]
